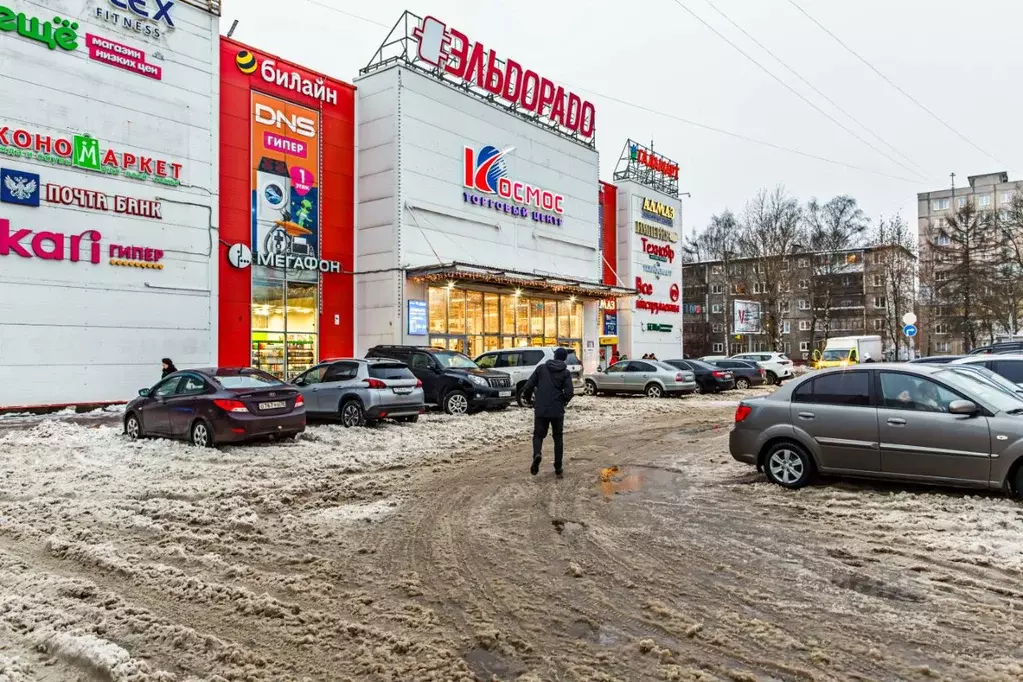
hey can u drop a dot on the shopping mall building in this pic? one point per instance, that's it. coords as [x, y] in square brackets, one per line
[287, 209]
[478, 200]
[178, 194]
[108, 198]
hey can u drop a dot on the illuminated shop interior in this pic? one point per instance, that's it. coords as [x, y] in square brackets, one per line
[284, 326]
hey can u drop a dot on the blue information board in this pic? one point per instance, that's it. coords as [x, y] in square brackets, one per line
[610, 323]
[417, 318]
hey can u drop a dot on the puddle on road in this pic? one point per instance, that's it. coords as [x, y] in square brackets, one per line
[615, 480]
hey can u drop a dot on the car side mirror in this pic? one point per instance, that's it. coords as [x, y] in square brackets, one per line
[964, 407]
[144, 392]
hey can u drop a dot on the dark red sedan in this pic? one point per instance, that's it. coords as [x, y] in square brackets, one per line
[210, 407]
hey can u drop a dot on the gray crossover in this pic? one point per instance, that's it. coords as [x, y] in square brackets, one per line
[360, 391]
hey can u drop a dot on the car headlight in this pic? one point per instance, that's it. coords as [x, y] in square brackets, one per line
[477, 380]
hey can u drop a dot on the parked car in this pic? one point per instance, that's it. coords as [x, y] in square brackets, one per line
[712, 358]
[654, 378]
[709, 378]
[746, 372]
[215, 406]
[777, 365]
[361, 392]
[451, 380]
[997, 348]
[935, 360]
[1007, 365]
[939, 424]
[519, 364]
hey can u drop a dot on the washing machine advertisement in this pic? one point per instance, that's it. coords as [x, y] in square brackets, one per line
[285, 194]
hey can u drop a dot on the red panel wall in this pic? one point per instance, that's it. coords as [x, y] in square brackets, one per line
[609, 231]
[337, 203]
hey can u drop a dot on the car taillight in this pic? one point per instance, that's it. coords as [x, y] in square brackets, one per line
[762, 374]
[718, 374]
[419, 383]
[678, 377]
[230, 405]
[741, 412]
[374, 383]
[299, 401]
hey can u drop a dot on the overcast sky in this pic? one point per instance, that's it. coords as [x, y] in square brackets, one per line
[960, 60]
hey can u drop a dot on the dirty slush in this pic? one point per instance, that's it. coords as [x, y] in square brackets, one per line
[431, 554]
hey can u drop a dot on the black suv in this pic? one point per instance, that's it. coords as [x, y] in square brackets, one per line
[450, 379]
[999, 348]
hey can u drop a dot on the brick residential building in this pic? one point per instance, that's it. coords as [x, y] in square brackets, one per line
[858, 282]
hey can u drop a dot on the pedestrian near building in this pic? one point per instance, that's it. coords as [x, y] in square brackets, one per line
[168, 367]
[551, 387]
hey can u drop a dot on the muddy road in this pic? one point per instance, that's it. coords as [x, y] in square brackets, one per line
[428, 553]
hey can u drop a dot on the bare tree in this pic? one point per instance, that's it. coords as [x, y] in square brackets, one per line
[832, 228]
[770, 231]
[968, 252]
[718, 243]
[895, 263]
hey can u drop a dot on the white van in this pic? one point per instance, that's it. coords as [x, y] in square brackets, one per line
[519, 364]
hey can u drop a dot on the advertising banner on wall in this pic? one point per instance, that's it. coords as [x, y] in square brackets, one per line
[746, 317]
[285, 171]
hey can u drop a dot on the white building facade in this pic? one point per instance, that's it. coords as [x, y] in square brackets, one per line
[649, 258]
[477, 229]
[108, 197]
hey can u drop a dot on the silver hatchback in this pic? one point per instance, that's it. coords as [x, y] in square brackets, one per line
[941, 424]
[362, 391]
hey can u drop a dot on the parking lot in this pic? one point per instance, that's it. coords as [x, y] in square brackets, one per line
[427, 552]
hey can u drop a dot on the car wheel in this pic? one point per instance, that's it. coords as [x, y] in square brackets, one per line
[699, 389]
[742, 384]
[352, 414]
[521, 398]
[772, 378]
[133, 427]
[654, 391]
[456, 402]
[788, 465]
[201, 436]
[590, 388]
[409, 420]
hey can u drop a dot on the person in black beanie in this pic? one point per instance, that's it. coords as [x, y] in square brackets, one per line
[551, 387]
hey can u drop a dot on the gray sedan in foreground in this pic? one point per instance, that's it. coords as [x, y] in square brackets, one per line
[653, 378]
[937, 424]
[362, 391]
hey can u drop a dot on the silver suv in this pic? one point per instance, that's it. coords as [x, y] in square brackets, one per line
[519, 364]
[361, 392]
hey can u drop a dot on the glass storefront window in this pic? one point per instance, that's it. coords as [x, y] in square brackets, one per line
[564, 319]
[473, 322]
[536, 317]
[490, 314]
[522, 316]
[302, 307]
[456, 311]
[301, 353]
[474, 312]
[438, 310]
[508, 307]
[268, 305]
[268, 352]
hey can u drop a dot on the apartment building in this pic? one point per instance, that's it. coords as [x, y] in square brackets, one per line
[990, 192]
[803, 297]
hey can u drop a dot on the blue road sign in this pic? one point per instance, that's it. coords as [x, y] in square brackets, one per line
[909, 330]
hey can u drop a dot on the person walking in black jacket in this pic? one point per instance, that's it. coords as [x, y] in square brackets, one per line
[551, 386]
[168, 367]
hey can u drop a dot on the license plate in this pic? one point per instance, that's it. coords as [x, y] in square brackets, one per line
[403, 389]
[505, 394]
[275, 405]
